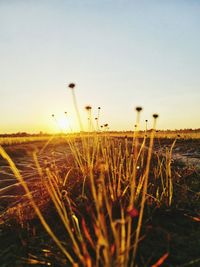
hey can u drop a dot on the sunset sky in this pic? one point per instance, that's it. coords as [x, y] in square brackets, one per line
[121, 54]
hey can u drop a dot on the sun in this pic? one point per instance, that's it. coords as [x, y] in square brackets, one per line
[63, 124]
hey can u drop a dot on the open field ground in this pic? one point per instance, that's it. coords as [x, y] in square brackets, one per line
[109, 200]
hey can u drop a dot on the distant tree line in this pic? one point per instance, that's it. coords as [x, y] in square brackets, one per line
[24, 134]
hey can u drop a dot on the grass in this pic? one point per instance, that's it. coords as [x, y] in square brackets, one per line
[21, 140]
[104, 203]
[116, 200]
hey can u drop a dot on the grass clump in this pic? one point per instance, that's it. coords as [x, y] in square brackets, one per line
[104, 208]
[101, 214]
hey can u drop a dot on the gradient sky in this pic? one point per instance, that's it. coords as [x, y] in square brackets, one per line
[120, 53]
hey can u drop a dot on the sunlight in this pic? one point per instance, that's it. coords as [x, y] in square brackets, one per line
[63, 124]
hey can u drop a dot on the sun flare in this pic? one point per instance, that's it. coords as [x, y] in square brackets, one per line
[63, 124]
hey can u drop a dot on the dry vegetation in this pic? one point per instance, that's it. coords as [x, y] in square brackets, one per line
[106, 204]
[100, 199]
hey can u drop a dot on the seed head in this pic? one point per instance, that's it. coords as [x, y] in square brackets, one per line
[96, 119]
[138, 109]
[99, 107]
[155, 116]
[71, 85]
[146, 120]
[88, 108]
[52, 115]
[106, 125]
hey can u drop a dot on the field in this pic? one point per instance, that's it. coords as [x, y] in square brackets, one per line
[100, 199]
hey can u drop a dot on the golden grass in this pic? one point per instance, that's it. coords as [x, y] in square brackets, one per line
[117, 177]
[113, 172]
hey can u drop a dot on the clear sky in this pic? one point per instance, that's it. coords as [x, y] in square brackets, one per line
[120, 54]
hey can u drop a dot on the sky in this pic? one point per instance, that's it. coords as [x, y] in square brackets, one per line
[119, 53]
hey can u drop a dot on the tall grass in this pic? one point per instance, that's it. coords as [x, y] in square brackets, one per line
[103, 222]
